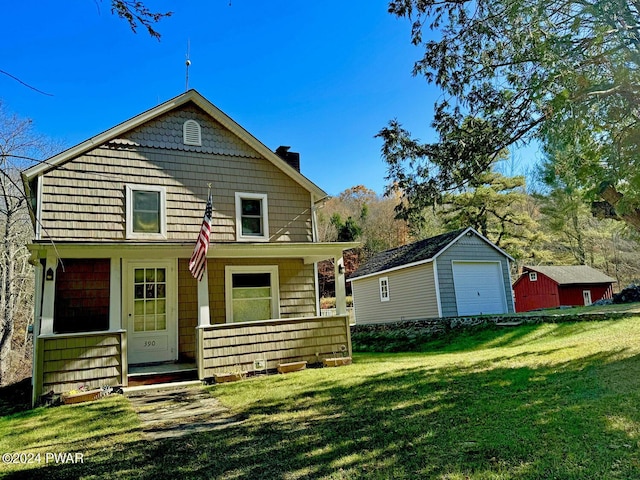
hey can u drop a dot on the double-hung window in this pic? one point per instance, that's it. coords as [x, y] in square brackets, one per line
[384, 289]
[252, 293]
[146, 212]
[252, 219]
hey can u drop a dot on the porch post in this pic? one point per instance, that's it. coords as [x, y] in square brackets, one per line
[204, 316]
[341, 296]
[48, 295]
[115, 295]
[37, 312]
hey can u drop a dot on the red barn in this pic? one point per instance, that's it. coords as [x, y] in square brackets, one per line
[549, 287]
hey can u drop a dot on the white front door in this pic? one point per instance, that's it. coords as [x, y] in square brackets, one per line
[586, 296]
[152, 327]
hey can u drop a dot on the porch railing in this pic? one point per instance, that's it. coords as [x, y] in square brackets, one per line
[88, 359]
[230, 347]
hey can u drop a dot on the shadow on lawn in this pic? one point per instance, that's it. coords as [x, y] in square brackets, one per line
[575, 420]
[16, 397]
[414, 339]
[500, 337]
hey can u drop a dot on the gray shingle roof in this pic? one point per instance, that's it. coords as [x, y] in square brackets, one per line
[406, 254]
[572, 274]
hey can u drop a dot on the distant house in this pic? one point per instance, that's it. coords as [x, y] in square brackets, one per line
[116, 219]
[553, 286]
[455, 274]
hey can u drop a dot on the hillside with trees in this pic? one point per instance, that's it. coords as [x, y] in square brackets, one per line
[556, 227]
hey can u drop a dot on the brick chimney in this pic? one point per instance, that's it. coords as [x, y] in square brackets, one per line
[292, 158]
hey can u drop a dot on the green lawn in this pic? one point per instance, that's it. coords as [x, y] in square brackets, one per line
[532, 402]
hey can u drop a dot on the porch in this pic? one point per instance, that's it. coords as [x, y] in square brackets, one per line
[95, 359]
[102, 309]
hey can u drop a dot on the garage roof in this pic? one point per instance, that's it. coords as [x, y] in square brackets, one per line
[421, 251]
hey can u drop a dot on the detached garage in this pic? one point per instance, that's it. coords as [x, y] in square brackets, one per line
[459, 273]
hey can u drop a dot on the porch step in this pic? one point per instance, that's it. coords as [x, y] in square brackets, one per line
[144, 389]
[167, 373]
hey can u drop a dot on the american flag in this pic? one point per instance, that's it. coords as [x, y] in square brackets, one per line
[198, 262]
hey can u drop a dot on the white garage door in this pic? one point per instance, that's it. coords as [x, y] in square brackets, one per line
[479, 288]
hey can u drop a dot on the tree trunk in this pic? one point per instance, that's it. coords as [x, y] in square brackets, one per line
[6, 332]
[580, 253]
[613, 197]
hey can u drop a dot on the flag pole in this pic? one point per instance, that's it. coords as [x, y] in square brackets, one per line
[198, 261]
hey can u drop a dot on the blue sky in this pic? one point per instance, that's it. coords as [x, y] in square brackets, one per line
[322, 77]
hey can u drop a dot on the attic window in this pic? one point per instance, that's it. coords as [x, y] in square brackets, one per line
[191, 133]
[533, 276]
[146, 212]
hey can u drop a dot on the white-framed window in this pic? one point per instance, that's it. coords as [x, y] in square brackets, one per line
[533, 276]
[191, 133]
[252, 293]
[252, 217]
[384, 289]
[146, 212]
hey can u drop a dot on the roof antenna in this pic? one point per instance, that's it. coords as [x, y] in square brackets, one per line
[187, 63]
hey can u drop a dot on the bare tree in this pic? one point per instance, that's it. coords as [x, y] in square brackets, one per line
[18, 146]
[137, 14]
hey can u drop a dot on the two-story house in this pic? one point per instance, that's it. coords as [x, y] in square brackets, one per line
[116, 219]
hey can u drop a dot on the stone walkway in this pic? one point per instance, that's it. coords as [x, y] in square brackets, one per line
[174, 412]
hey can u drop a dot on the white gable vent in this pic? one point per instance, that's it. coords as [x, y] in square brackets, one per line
[191, 133]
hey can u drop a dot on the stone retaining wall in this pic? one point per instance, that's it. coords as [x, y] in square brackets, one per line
[405, 335]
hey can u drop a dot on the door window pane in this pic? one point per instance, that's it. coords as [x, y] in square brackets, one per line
[138, 308]
[150, 307]
[150, 304]
[149, 323]
[139, 275]
[138, 324]
[150, 274]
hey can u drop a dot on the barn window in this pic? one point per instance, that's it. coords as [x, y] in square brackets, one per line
[384, 289]
[533, 276]
[191, 133]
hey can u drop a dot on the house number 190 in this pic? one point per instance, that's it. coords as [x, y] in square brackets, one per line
[150, 343]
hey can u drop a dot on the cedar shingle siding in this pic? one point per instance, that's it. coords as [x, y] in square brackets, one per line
[92, 361]
[84, 199]
[297, 288]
